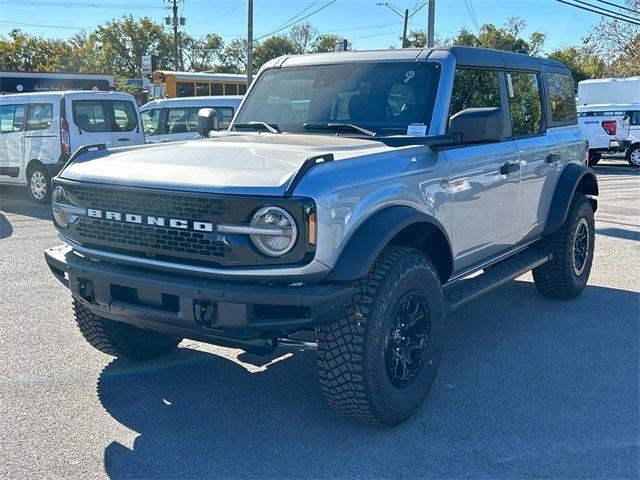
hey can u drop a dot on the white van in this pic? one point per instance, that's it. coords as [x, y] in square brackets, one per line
[40, 131]
[174, 119]
[611, 105]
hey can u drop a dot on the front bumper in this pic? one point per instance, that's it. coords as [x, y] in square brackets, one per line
[246, 315]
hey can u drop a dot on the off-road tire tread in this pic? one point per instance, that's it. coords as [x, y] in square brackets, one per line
[552, 279]
[341, 345]
[110, 337]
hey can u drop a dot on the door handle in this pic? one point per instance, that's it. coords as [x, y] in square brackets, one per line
[124, 139]
[552, 157]
[509, 167]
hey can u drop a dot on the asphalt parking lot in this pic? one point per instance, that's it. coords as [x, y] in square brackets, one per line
[528, 387]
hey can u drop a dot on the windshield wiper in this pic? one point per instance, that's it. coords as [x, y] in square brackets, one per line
[273, 128]
[338, 127]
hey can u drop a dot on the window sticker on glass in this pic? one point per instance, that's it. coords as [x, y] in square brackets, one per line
[409, 75]
[417, 130]
[510, 85]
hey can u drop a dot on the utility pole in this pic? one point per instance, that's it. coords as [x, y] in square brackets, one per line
[250, 43]
[431, 20]
[405, 16]
[175, 21]
[404, 29]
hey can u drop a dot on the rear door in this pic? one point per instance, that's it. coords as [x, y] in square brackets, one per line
[538, 153]
[151, 119]
[178, 124]
[124, 122]
[12, 115]
[91, 124]
[485, 178]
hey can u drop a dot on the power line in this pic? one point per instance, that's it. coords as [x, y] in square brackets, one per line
[618, 6]
[610, 15]
[77, 5]
[299, 13]
[45, 26]
[297, 21]
[471, 14]
[607, 10]
[221, 15]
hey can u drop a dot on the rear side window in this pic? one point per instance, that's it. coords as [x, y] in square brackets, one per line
[39, 116]
[562, 97]
[216, 89]
[225, 114]
[202, 89]
[90, 115]
[231, 89]
[123, 116]
[634, 117]
[474, 88]
[177, 120]
[151, 121]
[11, 118]
[184, 89]
[242, 89]
[525, 104]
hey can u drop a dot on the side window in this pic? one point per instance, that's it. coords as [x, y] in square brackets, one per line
[230, 89]
[525, 104]
[123, 118]
[242, 89]
[562, 97]
[474, 88]
[184, 89]
[225, 114]
[216, 89]
[90, 115]
[634, 117]
[192, 121]
[202, 89]
[11, 118]
[151, 121]
[177, 120]
[39, 116]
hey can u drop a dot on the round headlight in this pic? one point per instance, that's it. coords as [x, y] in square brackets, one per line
[59, 197]
[275, 231]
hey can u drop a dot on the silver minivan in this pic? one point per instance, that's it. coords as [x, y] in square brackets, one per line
[39, 131]
[174, 119]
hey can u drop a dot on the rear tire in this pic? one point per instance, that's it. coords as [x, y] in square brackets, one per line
[633, 156]
[378, 362]
[120, 339]
[566, 275]
[594, 158]
[39, 184]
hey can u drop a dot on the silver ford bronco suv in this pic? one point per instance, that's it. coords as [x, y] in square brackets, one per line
[358, 196]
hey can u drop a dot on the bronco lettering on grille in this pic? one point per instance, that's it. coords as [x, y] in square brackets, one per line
[151, 220]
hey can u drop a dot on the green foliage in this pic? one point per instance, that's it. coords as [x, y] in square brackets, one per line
[506, 38]
[271, 48]
[582, 61]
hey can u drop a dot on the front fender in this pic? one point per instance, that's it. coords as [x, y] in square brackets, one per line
[574, 178]
[372, 236]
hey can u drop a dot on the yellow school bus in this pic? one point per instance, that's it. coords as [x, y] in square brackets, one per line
[168, 84]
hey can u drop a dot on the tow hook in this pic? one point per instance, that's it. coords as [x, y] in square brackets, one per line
[85, 289]
[205, 312]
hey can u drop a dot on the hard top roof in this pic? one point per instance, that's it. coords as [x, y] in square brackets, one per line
[61, 93]
[211, 100]
[465, 56]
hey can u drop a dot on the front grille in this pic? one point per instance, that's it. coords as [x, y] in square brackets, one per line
[162, 242]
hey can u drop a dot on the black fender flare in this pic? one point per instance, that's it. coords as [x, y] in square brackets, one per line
[574, 177]
[364, 246]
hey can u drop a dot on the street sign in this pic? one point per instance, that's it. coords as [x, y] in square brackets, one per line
[342, 45]
[147, 65]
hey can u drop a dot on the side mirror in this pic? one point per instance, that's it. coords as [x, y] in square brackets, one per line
[478, 125]
[207, 121]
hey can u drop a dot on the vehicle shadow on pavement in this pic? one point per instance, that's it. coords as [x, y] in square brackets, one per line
[623, 234]
[14, 199]
[6, 229]
[527, 387]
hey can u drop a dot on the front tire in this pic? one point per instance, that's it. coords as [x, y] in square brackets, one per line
[39, 184]
[633, 156]
[378, 362]
[566, 274]
[120, 339]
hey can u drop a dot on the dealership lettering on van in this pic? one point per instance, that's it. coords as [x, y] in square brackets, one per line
[151, 220]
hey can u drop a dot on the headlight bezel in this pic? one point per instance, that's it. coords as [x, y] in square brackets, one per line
[260, 240]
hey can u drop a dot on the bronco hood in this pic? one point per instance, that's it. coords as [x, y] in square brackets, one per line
[240, 164]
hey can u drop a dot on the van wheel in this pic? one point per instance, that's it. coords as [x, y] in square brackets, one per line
[594, 158]
[566, 274]
[633, 156]
[39, 184]
[378, 362]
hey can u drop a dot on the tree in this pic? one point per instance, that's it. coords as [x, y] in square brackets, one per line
[327, 43]
[506, 38]
[273, 47]
[21, 51]
[233, 58]
[201, 54]
[302, 36]
[582, 61]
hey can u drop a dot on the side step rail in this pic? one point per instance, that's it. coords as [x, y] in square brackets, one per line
[466, 290]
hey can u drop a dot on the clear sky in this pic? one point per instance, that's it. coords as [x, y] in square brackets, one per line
[362, 21]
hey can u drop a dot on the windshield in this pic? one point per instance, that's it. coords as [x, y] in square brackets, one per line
[385, 98]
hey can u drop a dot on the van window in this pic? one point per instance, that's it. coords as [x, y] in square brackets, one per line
[11, 118]
[474, 88]
[39, 116]
[562, 97]
[184, 89]
[150, 121]
[525, 103]
[90, 115]
[123, 116]
[202, 89]
[177, 119]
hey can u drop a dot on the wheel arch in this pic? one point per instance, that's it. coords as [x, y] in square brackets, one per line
[400, 226]
[575, 178]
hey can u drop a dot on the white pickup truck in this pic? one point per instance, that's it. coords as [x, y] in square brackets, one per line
[609, 116]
